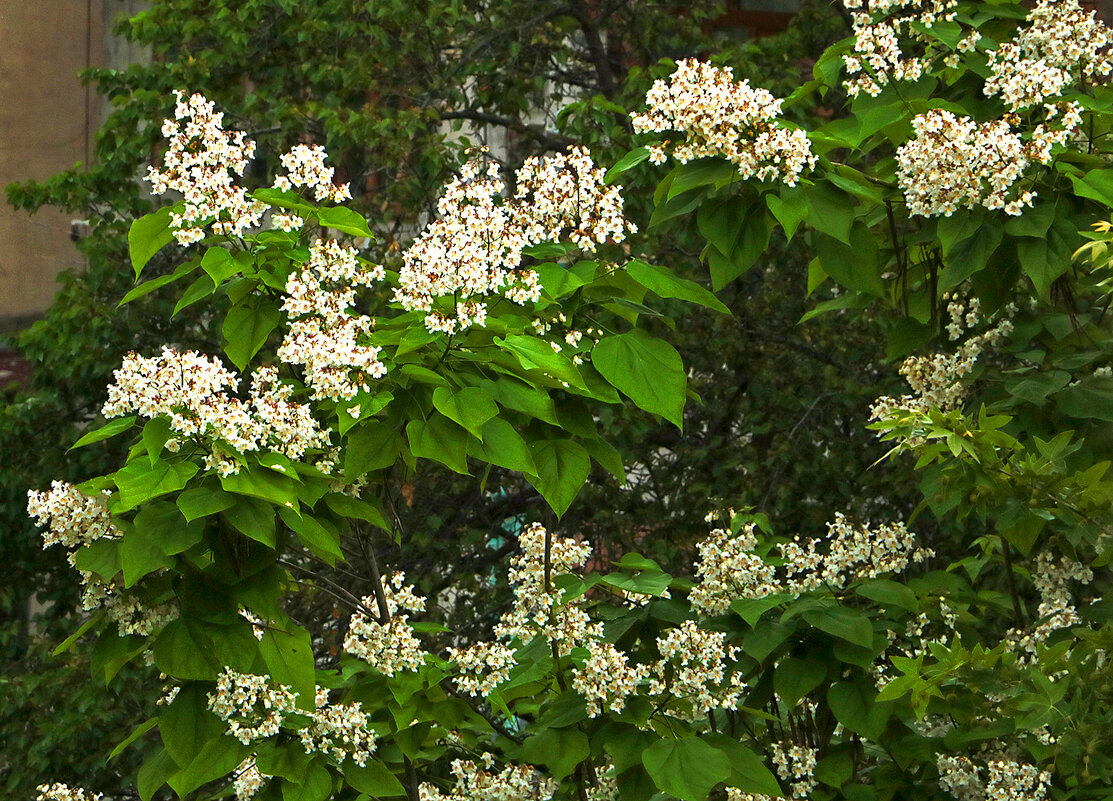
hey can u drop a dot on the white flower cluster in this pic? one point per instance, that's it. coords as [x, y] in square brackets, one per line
[473, 250]
[795, 765]
[324, 336]
[473, 783]
[339, 730]
[75, 519]
[955, 162]
[879, 26]
[564, 197]
[248, 779]
[71, 517]
[62, 792]
[201, 163]
[730, 568]
[389, 647]
[1056, 610]
[692, 670]
[253, 707]
[539, 609]
[305, 166]
[607, 678]
[1007, 780]
[936, 380]
[483, 666]
[192, 390]
[720, 117]
[1063, 45]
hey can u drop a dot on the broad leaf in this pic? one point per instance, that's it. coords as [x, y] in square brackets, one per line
[649, 371]
[687, 768]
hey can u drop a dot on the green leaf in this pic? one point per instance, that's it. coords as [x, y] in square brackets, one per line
[148, 235]
[561, 750]
[316, 786]
[219, 265]
[440, 439]
[154, 773]
[647, 370]
[1033, 222]
[830, 210]
[748, 771]
[889, 593]
[650, 583]
[341, 218]
[471, 407]
[317, 535]
[842, 622]
[855, 706]
[1090, 399]
[795, 678]
[140, 482]
[147, 287]
[856, 266]
[375, 444]
[283, 199]
[666, 285]
[69, 642]
[140, 555]
[562, 470]
[265, 484]
[198, 502]
[216, 760]
[356, 508]
[971, 255]
[156, 433]
[286, 760]
[136, 733]
[109, 429]
[687, 768]
[513, 393]
[187, 724]
[201, 288]
[101, 557]
[247, 327]
[183, 650]
[1046, 258]
[374, 778]
[738, 242]
[253, 518]
[537, 354]
[289, 659]
[503, 445]
[789, 208]
[751, 609]
[631, 159]
[607, 456]
[701, 172]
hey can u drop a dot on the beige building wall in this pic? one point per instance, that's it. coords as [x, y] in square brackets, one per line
[48, 123]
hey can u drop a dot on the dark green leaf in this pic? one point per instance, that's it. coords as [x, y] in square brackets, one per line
[647, 370]
[662, 281]
[561, 750]
[562, 470]
[109, 429]
[855, 706]
[688, 768]
[247, 327]
[440, 439]
[374, 778]
[148, 235]
[289, 658]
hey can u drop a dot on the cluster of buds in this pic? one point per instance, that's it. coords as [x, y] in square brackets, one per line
[724, 118]
[475, 783]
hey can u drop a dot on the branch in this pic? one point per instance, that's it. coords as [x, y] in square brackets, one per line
[595, 48]
[551, 141]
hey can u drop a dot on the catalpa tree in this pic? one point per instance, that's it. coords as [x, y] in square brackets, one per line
[860, 662]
